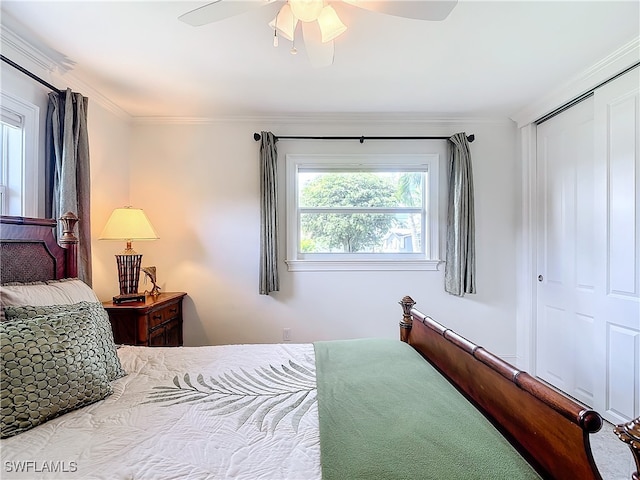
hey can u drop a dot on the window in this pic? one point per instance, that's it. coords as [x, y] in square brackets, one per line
[18, 157]
[362, 212]
[10, 148]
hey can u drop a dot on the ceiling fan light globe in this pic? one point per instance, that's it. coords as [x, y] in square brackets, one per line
[285, 22]
[330, 24]
[306, 10]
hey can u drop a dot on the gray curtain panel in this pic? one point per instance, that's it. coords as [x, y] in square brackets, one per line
[69, 155]
[460, 268]
[269, 281]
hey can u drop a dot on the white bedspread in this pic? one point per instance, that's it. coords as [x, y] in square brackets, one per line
[241, 412]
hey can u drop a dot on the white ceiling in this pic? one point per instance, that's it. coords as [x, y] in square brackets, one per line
[485, 59]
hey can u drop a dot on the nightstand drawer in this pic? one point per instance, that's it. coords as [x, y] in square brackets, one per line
[157, 322]
[162, 315]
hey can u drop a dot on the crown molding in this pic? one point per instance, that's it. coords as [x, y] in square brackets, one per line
[16, 48]
[52, 66]
[78, 85]
[614, 63]
[297, 119]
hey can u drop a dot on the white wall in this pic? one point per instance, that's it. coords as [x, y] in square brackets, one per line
[109, 150]
[198, 182]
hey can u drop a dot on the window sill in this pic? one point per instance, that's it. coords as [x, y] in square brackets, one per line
[361, 265]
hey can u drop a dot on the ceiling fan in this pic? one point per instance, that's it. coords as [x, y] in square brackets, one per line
[319, 21]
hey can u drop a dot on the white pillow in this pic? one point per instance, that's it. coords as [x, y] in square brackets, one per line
[54, 292]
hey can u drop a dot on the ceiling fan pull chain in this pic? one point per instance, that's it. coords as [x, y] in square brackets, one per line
[275, 32]
[293, 50]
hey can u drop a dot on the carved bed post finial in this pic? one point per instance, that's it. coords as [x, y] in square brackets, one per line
[630, 433]
[68, 221]
[69, 241]
[407, 304]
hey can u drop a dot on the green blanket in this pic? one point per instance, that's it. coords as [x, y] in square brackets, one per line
[385, 413]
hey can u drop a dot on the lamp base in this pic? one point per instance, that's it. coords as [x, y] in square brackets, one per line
[128, 273]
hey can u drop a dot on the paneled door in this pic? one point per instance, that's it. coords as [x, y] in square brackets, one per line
[566, 290]
[588, 250]
[617, 215]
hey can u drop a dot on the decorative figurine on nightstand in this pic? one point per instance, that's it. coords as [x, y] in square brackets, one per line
[150, 273]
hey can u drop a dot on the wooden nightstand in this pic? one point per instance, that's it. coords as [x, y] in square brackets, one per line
[155, 323]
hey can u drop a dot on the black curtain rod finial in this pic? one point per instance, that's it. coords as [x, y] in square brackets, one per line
[256, 137]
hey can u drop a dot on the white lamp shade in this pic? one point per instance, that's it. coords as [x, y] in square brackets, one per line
[306, 10]
[330, 24]
[128, 224]
[285, 22]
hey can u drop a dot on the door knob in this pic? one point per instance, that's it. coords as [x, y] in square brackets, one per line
[540, 278]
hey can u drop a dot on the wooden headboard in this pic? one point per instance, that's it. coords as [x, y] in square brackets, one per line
[29, 251]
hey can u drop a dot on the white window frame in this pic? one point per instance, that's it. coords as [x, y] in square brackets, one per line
[23, 176]
[429, 260]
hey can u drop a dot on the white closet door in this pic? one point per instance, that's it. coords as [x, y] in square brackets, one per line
[617, 216]
[588, 250]
[566, 284]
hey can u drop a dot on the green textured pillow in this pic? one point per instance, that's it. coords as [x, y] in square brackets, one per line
[48, 366]
[106, 350]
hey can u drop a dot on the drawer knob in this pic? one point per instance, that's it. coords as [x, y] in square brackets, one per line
[157, 317]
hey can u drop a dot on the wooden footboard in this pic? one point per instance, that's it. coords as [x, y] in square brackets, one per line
[549, 430]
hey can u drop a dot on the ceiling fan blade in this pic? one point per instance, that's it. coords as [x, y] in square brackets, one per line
[320, 54]
[435, 10]
[219, 10]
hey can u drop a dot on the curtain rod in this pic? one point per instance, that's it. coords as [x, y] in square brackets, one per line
[29, 74]
[257, 136]
[589, 93]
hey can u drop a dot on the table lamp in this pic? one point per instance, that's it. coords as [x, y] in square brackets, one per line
[128, 224]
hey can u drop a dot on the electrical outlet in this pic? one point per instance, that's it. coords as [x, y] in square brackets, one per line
[286, 334]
